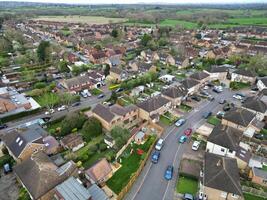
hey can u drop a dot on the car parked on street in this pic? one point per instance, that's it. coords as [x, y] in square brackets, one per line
[183, 139]
[207, 114]
[7, 168]
[159, 144]
[195, 145]
[3, 126]
[188, 196]
[168, 173]
[155, 157]
[196, 98]
[50, 111]
[61, 108]
[100, 96]
[76, 104]
[238, 97]
[222, 101]
[180, 122]
[188, 131]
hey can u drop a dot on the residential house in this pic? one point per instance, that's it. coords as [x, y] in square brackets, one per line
[242, 75]
[117, 74]
[220, 178]
[137, 90]
[152, 108]
[72, 189]
[239, 119]
[217, 73]
[224, 141]
[142, 67]
[39, 175]
[257, 106]
[98, 57]
[175, 94]
[22, 143]
[201, 77]
[100, 172]
[191, 85]
[259, 176]
[262, 83]
[72, 141]
[116, 115]
[13, 102]
[77, 84]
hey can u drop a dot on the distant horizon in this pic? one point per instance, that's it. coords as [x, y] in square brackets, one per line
[159, 2]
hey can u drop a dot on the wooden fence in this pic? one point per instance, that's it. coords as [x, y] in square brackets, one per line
[136, 174]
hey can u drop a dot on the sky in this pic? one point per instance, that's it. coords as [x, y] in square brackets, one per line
[143, 1]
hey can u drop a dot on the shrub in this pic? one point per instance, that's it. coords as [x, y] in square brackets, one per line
[102, 147]
[72, 121]
[91, 128]
[93, 149]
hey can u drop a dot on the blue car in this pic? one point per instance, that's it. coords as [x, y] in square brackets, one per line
[168, 173]
[183, 139]
[155, 157]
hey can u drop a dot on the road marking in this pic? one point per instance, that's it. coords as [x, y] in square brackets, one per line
[142, 182]
[167, 188]
[169, 133]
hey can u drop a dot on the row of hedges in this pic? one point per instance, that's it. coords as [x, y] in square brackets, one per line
[19, 115]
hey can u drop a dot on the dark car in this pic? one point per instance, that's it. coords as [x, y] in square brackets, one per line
[3, 126]
[254, 88]
[211, 98]
[100, 96]
[207, 114]
[155, 157]
[76, 104]
[196, 98]
[260, 136]
[216, 90]
[210, 84]
[228, 106]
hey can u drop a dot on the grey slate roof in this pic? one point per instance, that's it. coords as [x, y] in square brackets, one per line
[17, 140]
[175, 92]
[245, 72]
[222, 173]
[97, 193]
[256, 104]
[225, 136]
[71, 189]
[240, 116]
[199, 75]
[260, 172]
[189, 83]
[153, 103]
[217, 69]
[103, 112]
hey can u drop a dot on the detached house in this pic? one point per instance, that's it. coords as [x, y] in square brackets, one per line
[175, 94]
[22, 143]
[220, 178]
[39, 175]
[257, 106]
[224, 141]
[242, 75]
[116, 115]
[201, 77]
[217, 73]
[77, 84]
[239, 119]
[117, 74]
[98, 57]
[191, 85]
[152, 108]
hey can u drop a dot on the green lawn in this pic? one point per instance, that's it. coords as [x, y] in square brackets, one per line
[130, 164]
[96, 91]
[53, 98]
[238, 85]
[252, 197]
[184, 24]
[186, 185]
[213, 120]
[185, 108]
[164, 120]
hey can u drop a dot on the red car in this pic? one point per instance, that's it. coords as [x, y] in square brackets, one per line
[188, 131]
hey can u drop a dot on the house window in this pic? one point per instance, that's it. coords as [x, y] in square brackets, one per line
[222, 150]
[230, 151]
[224, 194]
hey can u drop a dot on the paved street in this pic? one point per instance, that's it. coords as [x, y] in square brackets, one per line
[90, 101]
[151, 184]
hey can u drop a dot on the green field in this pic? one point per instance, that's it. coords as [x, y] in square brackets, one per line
[185, 24]
[81, 19]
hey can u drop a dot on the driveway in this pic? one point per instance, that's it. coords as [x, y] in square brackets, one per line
[151, 185]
